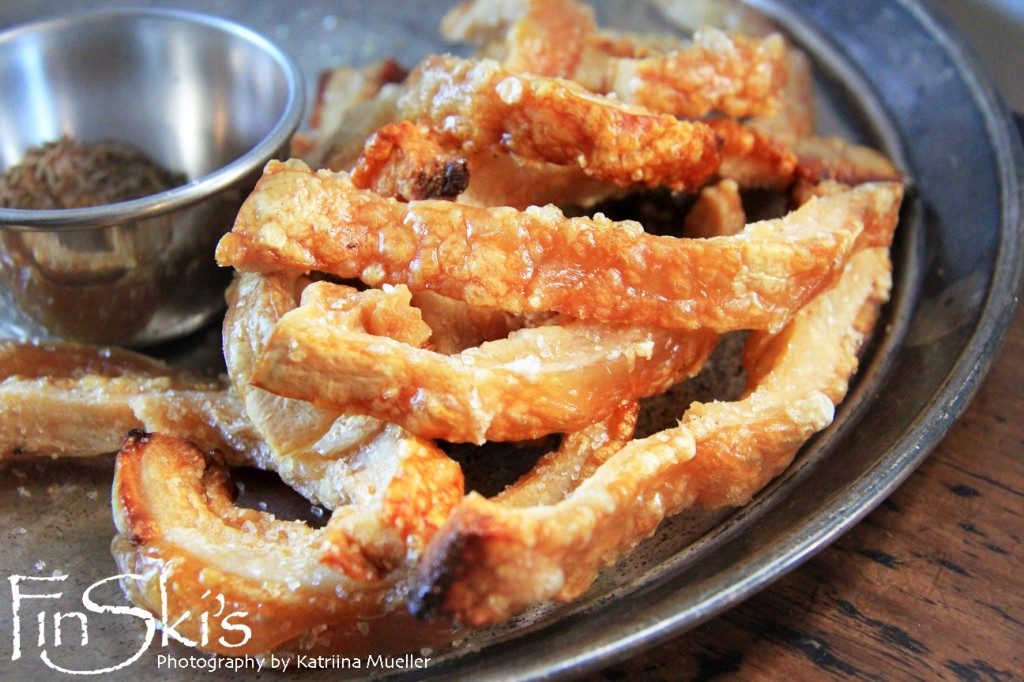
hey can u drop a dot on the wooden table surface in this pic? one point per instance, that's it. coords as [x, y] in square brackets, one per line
[929, 586]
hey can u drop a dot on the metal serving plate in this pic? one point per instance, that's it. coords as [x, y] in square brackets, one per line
[889, 75]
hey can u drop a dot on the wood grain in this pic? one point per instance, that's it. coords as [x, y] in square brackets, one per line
[929, 586]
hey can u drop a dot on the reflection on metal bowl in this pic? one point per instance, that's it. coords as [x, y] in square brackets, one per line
[131, 282]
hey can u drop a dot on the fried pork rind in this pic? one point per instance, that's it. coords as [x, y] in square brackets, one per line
[364, 469]
[836, 160]
[302, 441]
[717, 212]
[731, 75]
[76, 400]
[718, 72]
[410, 161]
[416, 488]
[181, 538]
[435, 156]
[350, 104]
[363, 352]
[537, 119]
[546, 32]
[404, 160]
[752, 158]
[538, 260]
[491, 561]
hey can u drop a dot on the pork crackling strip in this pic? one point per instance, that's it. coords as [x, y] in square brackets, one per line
[539, 119]
[491, 560]
[355, 352]
[181, 538]
[389, 489]
[68, 399]
[538, 260]
[714, 71]
[410, 162]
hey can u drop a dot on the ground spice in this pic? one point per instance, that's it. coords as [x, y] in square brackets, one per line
[66, 174]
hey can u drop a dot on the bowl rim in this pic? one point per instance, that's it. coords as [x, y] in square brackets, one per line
[195, 190]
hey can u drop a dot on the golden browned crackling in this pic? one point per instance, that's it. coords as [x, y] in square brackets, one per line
[490, 561]
[362, 353]
[482, 105]
[736, 63]
[350, 104]
[181, 538]
[351, 463]
[764, 152]
[319, 453]
[717, 212]
[543, 37]
[303, 443]
[539, 260]
[437, 288]
[404, 160]
[409, 161]
[796, 115]
[752, 158]
[729, 74]
[714, 71]
[456, 326]
[837, 160]
[417, 487]
[77, 400]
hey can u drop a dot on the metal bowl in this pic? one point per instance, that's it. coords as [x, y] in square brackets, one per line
[199, 95]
